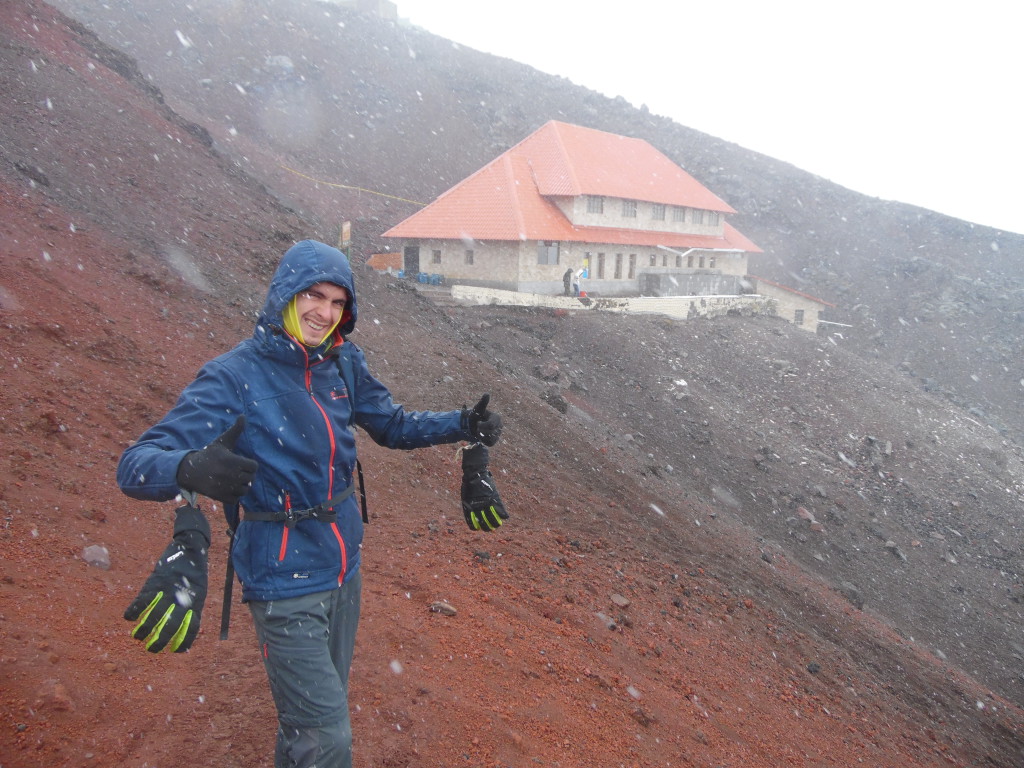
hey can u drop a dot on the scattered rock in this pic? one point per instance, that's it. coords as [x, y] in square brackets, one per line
[556, 400]
[443, 608]
[547, 371]
[52, 695]
[97, 555]
[644, 718]
[894, 548]
[853, 594]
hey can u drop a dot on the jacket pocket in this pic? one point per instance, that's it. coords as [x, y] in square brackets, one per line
[309, 549]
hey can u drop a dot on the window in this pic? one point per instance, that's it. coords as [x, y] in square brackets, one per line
[713, 218]
[654, 260]
[632, 266]
[712, 259]
[798, 316]
[595, 204]
[618, 266]
[629, 209]
[678, 214]
[697, 216]
[664, 259]
[679, 262]
[600, 266]
[469, 255]
[658, 211]
[700, 263]
[435, 257]
[547, 252]
[689, 261]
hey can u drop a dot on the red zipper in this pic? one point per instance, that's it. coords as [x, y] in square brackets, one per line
[344, 557]
[284, 533]
[330, 470]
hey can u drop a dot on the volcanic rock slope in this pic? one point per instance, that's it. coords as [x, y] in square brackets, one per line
[304, 91]
[731, 543]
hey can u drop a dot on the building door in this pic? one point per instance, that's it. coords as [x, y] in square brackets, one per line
[411, 260]
[650, 284]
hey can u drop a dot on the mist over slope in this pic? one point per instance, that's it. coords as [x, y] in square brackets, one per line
[732, 542]
[357, 101]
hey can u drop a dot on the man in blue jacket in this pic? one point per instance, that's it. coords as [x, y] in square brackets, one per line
[274, 415]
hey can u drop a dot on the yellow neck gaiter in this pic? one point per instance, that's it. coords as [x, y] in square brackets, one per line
[294, 329]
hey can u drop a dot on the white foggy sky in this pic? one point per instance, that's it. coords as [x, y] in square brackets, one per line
[910, 100]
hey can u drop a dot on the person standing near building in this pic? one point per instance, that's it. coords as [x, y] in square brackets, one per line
[266, 425]
[567, 280]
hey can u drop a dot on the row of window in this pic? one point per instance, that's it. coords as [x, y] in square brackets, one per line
[547, 253]
[599, 263]
[435, 256]
[595, 204]
[699, 261]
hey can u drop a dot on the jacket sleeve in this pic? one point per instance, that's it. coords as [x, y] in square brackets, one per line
[206, 408]
[389, 424]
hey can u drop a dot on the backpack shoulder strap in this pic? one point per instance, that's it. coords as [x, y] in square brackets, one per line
[348, 375]
[232, 515]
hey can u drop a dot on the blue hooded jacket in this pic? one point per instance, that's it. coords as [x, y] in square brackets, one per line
[297, 411]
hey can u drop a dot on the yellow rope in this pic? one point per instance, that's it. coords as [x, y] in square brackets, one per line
[346, 186]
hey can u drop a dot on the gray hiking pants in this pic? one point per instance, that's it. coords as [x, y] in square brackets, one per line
[306, 644]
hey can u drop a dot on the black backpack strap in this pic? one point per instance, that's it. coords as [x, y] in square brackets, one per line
[349, 377]
[231, 513]
[323, 512]
[362, 491]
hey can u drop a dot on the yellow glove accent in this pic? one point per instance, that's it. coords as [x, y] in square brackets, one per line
[179, 636]
[176, 639]
[489, 519]
[145, 615]
[155, 634]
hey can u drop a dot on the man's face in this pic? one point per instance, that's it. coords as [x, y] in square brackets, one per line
[319, 308]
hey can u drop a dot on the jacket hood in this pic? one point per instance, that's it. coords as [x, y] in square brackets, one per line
[304, 264]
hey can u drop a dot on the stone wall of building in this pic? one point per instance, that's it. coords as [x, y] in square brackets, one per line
[684, 307]
[793, 306]
[494, 265]
[515, 266]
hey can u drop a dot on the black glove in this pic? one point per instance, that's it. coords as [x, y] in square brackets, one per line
[170, 604]
[481, 503]
[217, 471]
[483, 424]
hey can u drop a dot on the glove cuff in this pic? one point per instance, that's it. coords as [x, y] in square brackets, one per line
[187, 519]
[474, 459]
[182, 474]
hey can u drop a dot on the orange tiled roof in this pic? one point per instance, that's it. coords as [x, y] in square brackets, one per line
[510, 198]
[571, 160]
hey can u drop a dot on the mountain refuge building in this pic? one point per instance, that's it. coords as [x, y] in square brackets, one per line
[610, 212]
